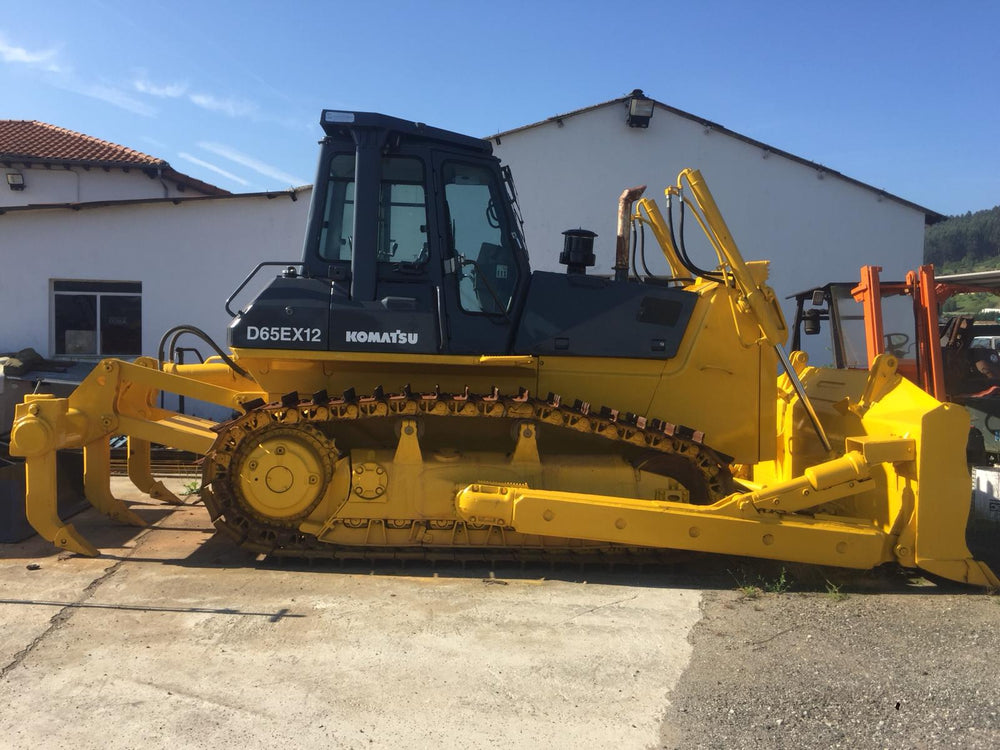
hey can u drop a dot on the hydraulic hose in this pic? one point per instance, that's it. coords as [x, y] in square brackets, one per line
[177, 331]
[639, 241]
[635, 271]
[685, 258]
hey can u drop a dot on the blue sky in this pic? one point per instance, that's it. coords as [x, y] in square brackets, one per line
[902, 95]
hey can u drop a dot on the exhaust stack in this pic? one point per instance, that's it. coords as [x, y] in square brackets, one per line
[625, 201]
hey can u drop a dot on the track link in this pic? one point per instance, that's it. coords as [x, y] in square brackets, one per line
[652, 445]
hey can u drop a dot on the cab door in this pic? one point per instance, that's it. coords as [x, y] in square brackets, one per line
[484, 263]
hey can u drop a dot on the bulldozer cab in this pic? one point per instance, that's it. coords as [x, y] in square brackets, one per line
[413, 238]
[829, 326]
[413, 246]
[847, 325]
[952, 357]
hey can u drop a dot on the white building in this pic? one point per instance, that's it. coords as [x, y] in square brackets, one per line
[105, 248]
[815, 225]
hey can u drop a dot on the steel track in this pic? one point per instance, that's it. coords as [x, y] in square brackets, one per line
[654, 445]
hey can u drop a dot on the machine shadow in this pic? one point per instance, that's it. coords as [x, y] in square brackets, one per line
[673, 569]
[95, 527]
[670, 569]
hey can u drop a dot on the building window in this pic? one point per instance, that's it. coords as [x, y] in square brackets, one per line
[97, 318]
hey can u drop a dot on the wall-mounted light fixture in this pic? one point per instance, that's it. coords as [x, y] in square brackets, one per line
[640, 109]
[15, 180]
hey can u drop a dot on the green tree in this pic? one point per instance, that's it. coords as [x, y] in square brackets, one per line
[965, 243]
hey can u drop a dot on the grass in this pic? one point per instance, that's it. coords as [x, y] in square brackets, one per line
[753, 588]
[833, 592]
[779, 585]
[749, 592]
[191, 488]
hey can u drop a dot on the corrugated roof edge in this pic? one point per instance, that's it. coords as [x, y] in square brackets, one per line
[973, 278]
[293, 194]
[930, 217]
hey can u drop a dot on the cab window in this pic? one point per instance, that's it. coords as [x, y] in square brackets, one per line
[852, 328]
[402, 215]
[485, 264]
[337, 235]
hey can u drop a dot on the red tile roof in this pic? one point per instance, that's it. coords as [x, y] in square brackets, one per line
[34, 142]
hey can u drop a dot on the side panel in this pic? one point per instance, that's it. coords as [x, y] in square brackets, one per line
[723, 380]
[594, 317]
[291, 313]
[720, 381]
[310, 315]
[403, 319]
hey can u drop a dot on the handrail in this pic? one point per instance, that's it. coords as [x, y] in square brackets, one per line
[253, 273]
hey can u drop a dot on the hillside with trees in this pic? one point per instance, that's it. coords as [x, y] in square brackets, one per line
[966, 243]
[963, 244]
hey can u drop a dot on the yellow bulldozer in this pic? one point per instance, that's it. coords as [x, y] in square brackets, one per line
[412, 388]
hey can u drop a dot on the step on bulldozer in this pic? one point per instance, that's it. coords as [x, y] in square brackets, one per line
[411, 388]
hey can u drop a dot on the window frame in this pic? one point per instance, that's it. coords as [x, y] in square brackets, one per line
[508, 241]
[389, 268]
[99, 290]
[328, 198]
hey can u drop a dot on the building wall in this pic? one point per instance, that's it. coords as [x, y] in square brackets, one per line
[189, 256]
[79, 185]
[813, 226]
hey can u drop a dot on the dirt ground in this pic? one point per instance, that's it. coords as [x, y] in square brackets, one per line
[795, 657]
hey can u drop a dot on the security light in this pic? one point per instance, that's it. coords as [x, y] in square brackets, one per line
[15, 180]
[640, 109]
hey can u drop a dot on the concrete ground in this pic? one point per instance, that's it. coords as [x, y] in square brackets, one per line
[174, 638]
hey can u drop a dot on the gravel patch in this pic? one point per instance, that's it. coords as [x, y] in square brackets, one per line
[869, 661]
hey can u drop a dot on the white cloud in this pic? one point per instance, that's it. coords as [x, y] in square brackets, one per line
[251, 163]
[110, 95]
[66, 80]
[166, 91]
[42, 59]
[211, 167]
[104, 93]
[231, 107]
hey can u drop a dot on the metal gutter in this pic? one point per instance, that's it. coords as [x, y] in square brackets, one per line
[292, 194]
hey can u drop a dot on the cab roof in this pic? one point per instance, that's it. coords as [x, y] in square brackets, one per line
[339, 123]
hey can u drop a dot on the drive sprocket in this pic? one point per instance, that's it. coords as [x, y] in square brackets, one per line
[278, 473]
